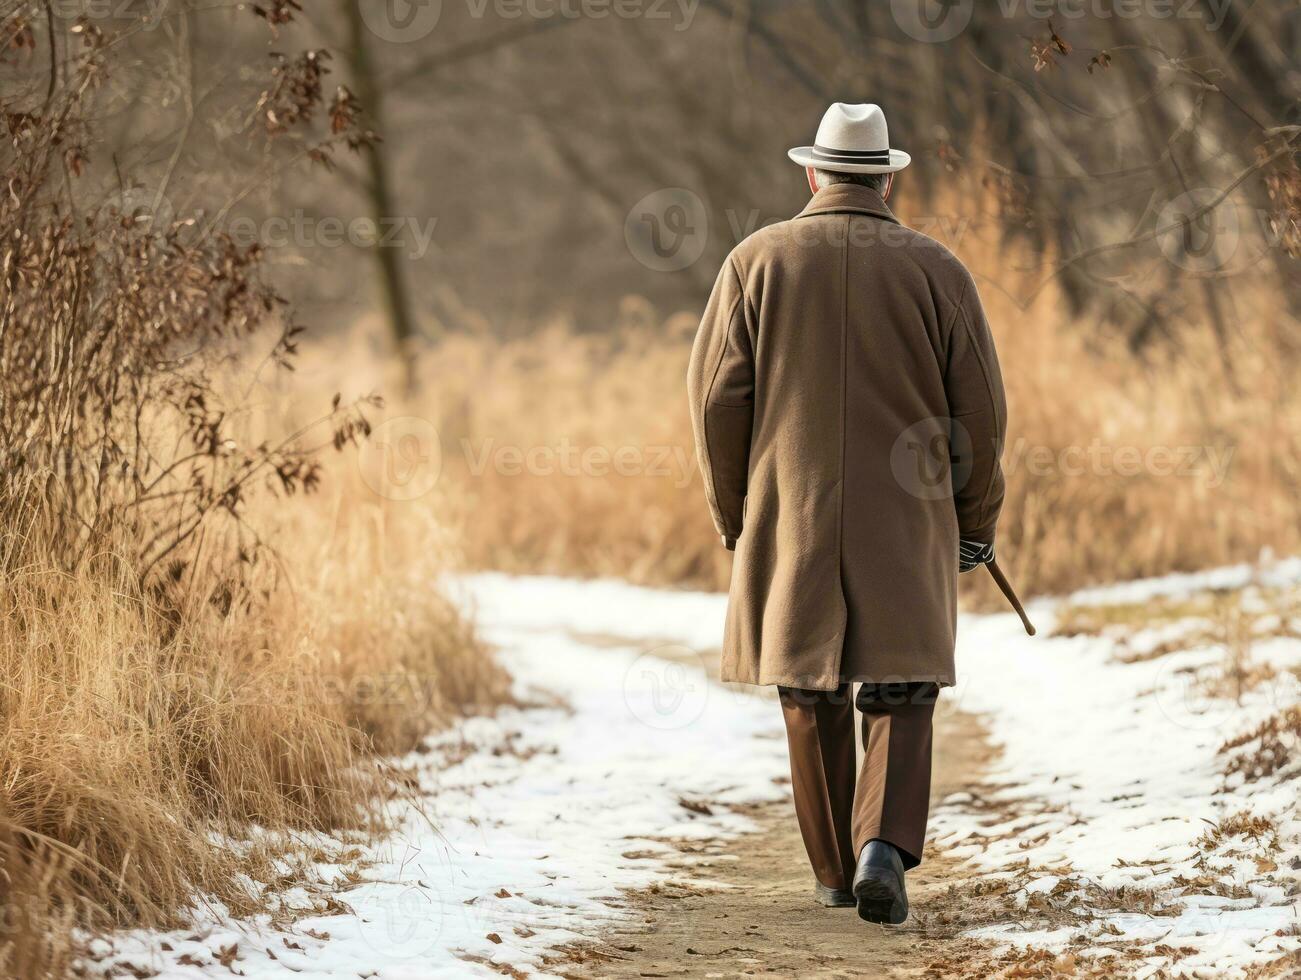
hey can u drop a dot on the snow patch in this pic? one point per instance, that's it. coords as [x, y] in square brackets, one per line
[1095, 816]
[535, 821]
[1110, 777]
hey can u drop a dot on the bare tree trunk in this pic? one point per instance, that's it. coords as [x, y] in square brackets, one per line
[397, 298]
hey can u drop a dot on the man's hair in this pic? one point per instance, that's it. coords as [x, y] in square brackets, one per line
[826, 178]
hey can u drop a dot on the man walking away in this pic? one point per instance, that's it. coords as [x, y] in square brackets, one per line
[848, 414]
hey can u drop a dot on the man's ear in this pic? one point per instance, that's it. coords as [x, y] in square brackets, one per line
[889, 186]
[813, 181]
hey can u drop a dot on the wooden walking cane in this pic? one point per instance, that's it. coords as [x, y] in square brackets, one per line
[1006, 586]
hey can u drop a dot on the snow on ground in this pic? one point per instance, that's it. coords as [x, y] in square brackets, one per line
[1110, 783]
[533, 821]
[1095, 818]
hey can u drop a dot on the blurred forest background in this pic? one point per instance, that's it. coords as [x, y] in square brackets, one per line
[303, 305]
[517, 137]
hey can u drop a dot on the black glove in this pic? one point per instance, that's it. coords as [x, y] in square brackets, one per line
[973, 553]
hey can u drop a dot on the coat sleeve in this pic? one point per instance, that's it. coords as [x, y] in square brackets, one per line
[978, 409]
[720, 386]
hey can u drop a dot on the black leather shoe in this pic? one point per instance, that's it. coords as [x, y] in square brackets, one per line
[878, 884]
[833, 898]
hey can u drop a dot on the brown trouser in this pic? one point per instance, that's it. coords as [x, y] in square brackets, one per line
[838, 817]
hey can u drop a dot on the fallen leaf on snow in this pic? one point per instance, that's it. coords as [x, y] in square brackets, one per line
[695, 806]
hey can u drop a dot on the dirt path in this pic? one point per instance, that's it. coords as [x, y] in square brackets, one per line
[745, 907]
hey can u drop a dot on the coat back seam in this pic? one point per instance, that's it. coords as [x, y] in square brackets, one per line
[844, 437]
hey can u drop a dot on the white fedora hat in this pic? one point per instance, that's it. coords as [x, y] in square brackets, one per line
[852, 139]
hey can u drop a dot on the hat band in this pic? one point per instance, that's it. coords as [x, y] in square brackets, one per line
[851, 156]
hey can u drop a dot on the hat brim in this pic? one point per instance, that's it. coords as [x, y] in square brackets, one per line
[804, 156]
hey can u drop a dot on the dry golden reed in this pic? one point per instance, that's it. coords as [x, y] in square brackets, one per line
[208, 629]
[571, 453]
[135, 738]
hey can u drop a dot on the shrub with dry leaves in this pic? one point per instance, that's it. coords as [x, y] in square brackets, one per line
[168, 678]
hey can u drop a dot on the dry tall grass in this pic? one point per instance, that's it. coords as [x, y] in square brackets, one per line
[133, 738]
[572, 453]
[207, 630]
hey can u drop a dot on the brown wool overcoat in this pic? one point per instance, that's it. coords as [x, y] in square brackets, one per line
[848, 413]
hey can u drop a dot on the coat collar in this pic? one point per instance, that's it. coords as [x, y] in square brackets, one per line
[848, 197]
